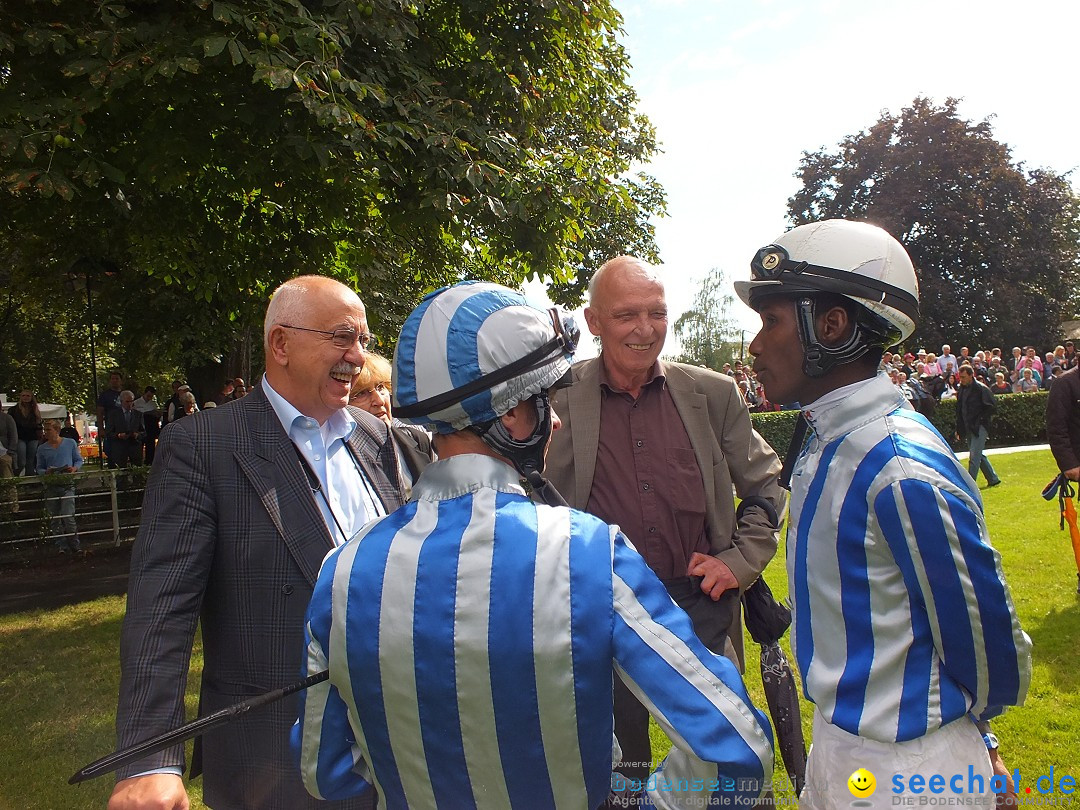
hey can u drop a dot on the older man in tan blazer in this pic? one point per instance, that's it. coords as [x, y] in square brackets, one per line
[661, 449]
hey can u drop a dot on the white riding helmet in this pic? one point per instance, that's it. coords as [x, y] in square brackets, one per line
[857, 260]
[470, 352]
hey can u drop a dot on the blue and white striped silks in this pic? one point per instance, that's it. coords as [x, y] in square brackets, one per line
[475, 328]
[471, 638]
[902, 618]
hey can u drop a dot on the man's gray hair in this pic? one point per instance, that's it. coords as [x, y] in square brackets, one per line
[287, 305]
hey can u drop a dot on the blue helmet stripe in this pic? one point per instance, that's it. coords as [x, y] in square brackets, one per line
[463, 348]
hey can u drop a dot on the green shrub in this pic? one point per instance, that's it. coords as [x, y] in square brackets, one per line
[944, 419]
[1019, 419]
[776, 428]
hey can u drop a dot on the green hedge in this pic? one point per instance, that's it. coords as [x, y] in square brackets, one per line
[1019, 419]
[776, 428]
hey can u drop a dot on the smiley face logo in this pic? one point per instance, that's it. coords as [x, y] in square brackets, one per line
[862, 784]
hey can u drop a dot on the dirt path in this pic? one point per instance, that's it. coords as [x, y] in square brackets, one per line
[64, 580]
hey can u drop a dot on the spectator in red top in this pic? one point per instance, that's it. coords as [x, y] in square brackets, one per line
[1000, 386]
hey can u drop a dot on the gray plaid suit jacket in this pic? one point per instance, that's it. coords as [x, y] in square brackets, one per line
[232, 536]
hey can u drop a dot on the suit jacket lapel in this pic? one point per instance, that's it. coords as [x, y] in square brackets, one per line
[408, 442]
[583, 402]
[693, 408]
[375, 453]
[282, 485]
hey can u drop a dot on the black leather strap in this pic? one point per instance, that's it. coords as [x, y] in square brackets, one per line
[798, 438]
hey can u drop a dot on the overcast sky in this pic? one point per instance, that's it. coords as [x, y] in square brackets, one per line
[739, 89]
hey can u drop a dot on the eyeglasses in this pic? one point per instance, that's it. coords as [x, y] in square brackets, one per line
[341, 338]
[379, 388]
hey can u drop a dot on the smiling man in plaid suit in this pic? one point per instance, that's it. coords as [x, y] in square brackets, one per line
[243, 503]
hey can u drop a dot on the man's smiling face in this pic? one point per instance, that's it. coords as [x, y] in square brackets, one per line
[628, 313]
[306, 367]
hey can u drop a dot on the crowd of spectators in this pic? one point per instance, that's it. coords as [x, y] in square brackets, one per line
[132, 439]
[128, 423]
[926, 378]
[751, 389]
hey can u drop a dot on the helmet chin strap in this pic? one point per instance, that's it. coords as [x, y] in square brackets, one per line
[819, 359]
[527, 455]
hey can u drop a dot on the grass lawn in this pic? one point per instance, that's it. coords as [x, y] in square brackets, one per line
[58, 690]
[59, 681]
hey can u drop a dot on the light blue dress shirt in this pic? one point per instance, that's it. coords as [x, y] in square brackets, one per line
[348, 500]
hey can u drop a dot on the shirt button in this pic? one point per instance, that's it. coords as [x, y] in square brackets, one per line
[317, 457]
[644, 486]
[640, 443]
[652, 530]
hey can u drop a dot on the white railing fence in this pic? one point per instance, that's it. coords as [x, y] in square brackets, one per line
[108, 504]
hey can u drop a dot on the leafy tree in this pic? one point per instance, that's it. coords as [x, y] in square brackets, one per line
[46, 346]
[45, 331]
[995, 244]
[708, 331]
[202, 152]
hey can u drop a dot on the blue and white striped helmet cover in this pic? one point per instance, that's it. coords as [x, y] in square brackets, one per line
[458, 334]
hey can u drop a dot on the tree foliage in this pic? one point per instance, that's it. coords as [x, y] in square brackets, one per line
[707, 331]
[203, 152]
[46, 346]
[995, 244]
[45, 331]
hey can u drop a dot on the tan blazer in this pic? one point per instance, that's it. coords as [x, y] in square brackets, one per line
[732, 457]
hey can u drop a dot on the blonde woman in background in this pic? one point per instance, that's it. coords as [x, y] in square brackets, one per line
[27, 418]
[371, 393]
